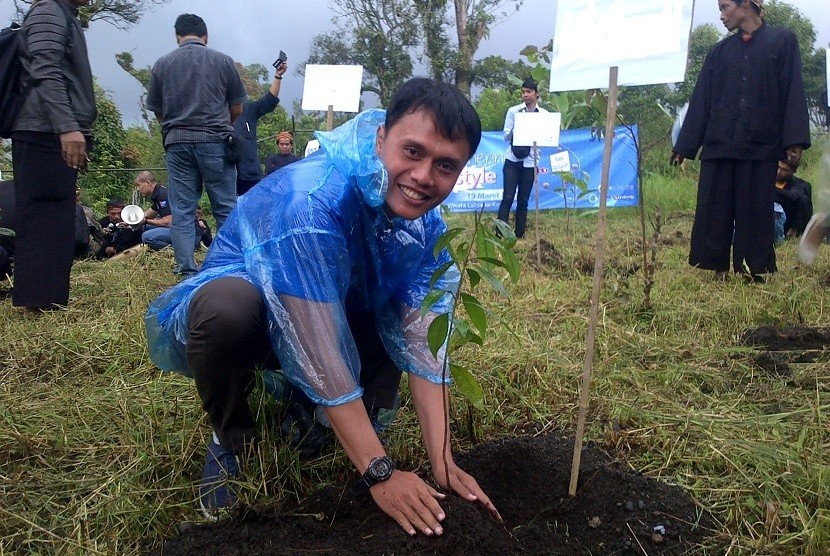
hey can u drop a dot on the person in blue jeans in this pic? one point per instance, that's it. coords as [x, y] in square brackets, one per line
[158, 217]
[196, 93]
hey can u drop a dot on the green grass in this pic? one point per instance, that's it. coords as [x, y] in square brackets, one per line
[99, 452]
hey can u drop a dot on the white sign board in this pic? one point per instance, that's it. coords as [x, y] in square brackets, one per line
[648, 40]
[337, 86]
[541, 127]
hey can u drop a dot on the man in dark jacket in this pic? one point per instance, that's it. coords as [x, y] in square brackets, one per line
[248, 168]
[748, 111]
[50, 139]
[118, 235]
[796, 198]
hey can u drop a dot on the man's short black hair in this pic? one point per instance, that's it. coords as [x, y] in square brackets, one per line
[190, 24]
[115, 203]
[454, 116]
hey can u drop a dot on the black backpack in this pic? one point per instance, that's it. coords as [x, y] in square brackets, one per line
[12, 96]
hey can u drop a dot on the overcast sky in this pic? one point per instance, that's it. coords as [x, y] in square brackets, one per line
[254, 31]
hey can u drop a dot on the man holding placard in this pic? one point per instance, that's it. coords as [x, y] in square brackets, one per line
[518, 162]
[748, 111]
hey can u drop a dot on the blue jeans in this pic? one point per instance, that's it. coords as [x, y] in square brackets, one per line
[191, 166]
[156, 237]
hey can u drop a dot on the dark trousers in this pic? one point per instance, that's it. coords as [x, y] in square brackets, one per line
[228, 339]
[44, 187]
[516, 176]
[243, 186]
[734, 200]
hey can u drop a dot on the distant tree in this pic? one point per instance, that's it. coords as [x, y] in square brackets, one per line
[386, 36]
[104, 180]
[125, 61]
[702, 39]
[495, 72]
[492, 105]
[376, 34]
[118, 13]
[813, 69]
[255, 78]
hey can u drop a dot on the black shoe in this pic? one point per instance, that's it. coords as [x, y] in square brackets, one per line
[754, 279]
[304, 432]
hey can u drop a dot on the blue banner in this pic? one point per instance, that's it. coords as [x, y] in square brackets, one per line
[580, 152]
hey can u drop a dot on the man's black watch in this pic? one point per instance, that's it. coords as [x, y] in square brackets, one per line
[379, 470]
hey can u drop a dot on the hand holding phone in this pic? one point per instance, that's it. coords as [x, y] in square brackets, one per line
[281, 59]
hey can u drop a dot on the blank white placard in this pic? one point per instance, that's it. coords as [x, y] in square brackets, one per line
[648, 40]
[541, 127]
[337, 86]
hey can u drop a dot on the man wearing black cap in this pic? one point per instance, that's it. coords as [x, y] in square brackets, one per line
[748, 111]
[518, 162]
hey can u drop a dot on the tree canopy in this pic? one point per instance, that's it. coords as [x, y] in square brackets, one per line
[119, 13]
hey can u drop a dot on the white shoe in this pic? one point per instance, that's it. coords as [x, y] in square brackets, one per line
[812, 238]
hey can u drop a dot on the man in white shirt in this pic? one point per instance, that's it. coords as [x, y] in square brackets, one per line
[518, 162]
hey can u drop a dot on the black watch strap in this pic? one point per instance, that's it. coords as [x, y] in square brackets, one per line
[379, 470]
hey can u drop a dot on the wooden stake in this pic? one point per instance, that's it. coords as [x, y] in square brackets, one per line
[536, 212]
[330, 118]
[599, 261]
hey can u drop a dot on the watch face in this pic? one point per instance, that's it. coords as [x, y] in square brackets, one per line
[381, 468]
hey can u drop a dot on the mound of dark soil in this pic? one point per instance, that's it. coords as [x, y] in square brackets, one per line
[787, 338]
[614, 512]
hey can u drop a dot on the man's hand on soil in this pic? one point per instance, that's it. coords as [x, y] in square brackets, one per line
[411, 502]
[466, 486]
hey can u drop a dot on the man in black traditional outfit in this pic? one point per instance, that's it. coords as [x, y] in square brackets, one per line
[748, 111]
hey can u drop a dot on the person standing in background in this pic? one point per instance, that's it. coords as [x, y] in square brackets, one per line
[285, 154]
[51, 136]
[248, 168]
[518, 162]
[748, 111]
[196, 93]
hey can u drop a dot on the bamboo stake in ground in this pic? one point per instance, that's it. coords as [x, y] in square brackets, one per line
[330, 118]
[536, 212]
[599, 261]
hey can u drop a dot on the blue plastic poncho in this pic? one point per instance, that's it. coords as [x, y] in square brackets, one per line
[315, 241]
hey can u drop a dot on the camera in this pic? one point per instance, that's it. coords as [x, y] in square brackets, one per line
[281, 59]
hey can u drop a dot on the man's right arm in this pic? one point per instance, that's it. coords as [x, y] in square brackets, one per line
[236, 111]
[509, 123]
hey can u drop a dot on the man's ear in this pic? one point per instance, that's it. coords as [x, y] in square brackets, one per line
[205, 39]
[380, 138]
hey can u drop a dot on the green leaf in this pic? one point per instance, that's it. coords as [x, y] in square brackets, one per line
[445, 241]
[477, 314]
[508, 237]
[474, 277]
[485, 249]
[439, 272]
[511, 263]
[494, 281]
[430, 299]
[6, 232]
[493, 261]
[437, 333]
[467, 384]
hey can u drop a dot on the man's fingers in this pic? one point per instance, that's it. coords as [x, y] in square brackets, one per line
[403, 521]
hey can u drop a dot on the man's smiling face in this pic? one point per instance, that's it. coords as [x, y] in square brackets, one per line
[423, 165]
